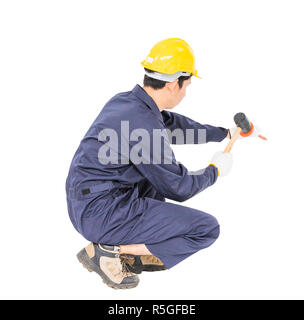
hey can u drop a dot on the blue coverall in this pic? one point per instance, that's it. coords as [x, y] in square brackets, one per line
[124, 203]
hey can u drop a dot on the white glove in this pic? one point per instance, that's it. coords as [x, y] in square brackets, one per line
[223, 162]
[255, 133]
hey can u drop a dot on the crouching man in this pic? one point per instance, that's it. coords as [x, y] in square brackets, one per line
[124, 169]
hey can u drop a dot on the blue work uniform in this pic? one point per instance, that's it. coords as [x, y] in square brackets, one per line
[124, 202]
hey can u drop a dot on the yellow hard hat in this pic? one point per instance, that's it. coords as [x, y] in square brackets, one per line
[171, 57]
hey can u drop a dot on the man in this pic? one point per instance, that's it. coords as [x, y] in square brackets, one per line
[124, 169]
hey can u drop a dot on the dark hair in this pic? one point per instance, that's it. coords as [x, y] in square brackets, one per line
[158, 84]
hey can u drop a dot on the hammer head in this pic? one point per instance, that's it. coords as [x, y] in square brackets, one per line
[241, 121]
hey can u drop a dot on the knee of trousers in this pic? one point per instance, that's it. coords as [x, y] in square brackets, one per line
[214, 233]
[209, 228]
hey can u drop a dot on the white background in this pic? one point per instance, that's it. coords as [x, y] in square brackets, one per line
[60, 61]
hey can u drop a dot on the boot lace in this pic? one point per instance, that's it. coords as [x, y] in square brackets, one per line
[124, 267]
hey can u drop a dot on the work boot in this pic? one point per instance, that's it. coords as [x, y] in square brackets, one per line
[137, 264]
[105, 260]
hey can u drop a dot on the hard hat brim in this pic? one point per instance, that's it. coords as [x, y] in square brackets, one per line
[195, 75]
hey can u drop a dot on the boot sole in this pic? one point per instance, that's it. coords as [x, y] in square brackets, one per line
[91, 266]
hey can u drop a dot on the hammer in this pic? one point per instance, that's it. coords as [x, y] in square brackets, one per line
[244, 126]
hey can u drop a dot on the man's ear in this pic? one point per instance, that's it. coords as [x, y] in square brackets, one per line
[171, 86]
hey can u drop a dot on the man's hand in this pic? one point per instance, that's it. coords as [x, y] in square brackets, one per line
[253, 134]
[223, 162]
